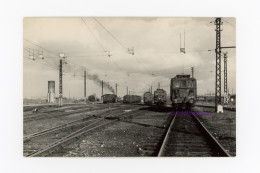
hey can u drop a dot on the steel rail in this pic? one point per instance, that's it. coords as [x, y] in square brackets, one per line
[26, 119]
[214, 143]
[166, 137]
[58, 128]
[66, 140]
[212, 139]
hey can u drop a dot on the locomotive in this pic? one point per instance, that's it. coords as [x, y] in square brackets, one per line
[183, 92]
[160, 97]
[148, 98]
[109, 98]
[132, 99]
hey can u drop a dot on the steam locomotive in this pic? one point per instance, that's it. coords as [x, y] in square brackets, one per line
[109, 98]
[160, 97]
[183, 92]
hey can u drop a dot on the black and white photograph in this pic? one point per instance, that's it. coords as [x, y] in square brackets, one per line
[134, 86]
[129, 87]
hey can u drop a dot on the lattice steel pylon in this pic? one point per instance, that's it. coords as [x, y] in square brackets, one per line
[218, 30]
[225, 80]
[60, 83]
[62, 61]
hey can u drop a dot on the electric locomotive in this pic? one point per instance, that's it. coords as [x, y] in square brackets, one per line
[183, 92]
[160, 97]
[148, 98]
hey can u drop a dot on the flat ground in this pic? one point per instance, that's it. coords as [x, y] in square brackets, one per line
[222, 126]
[138, 126]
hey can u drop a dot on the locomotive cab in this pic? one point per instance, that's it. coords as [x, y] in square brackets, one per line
[148, 98]
[183, 91]
[160, 97]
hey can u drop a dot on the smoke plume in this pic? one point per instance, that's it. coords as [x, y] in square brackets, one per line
[98, 81]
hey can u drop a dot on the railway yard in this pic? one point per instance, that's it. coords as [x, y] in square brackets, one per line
[124, 104]
[128, 130]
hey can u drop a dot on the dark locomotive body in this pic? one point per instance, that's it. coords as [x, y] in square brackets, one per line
[132, 99]
[148, 98]
[160, 97]
[183, 91]
[109, 98]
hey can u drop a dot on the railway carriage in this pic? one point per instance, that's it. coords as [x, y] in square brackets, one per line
[132, 99]
[148, 98]
[160, 96]
[109, 98]
[183, 91]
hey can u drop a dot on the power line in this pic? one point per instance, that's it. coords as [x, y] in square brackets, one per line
[42, 63]
[92, 34]
[84, 55]
[70, 56]
[197, 51]
[41, 47]
[109, 33]
[228, 22]
[53, 68]
[53, 53]
[83, 52]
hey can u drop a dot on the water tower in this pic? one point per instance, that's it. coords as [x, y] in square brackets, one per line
[51, 92]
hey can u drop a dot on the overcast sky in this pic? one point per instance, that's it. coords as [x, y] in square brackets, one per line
[157, 57]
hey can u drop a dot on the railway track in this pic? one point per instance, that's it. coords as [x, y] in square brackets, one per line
[63, 135]
[68, 126]
[53, 114]
[187, 136]
[67, 139]
[27, 108]
[90, 146]
[184, 136]
[42, 111]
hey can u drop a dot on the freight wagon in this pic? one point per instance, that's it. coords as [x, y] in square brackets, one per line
[132, 99]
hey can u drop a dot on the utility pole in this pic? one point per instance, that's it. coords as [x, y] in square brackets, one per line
[116, 89]
[218, 30]
[225, 80]
[102, 89]
[60, 78]
[60, 83]
[151, 89]
[192, 72]
[85, 85]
